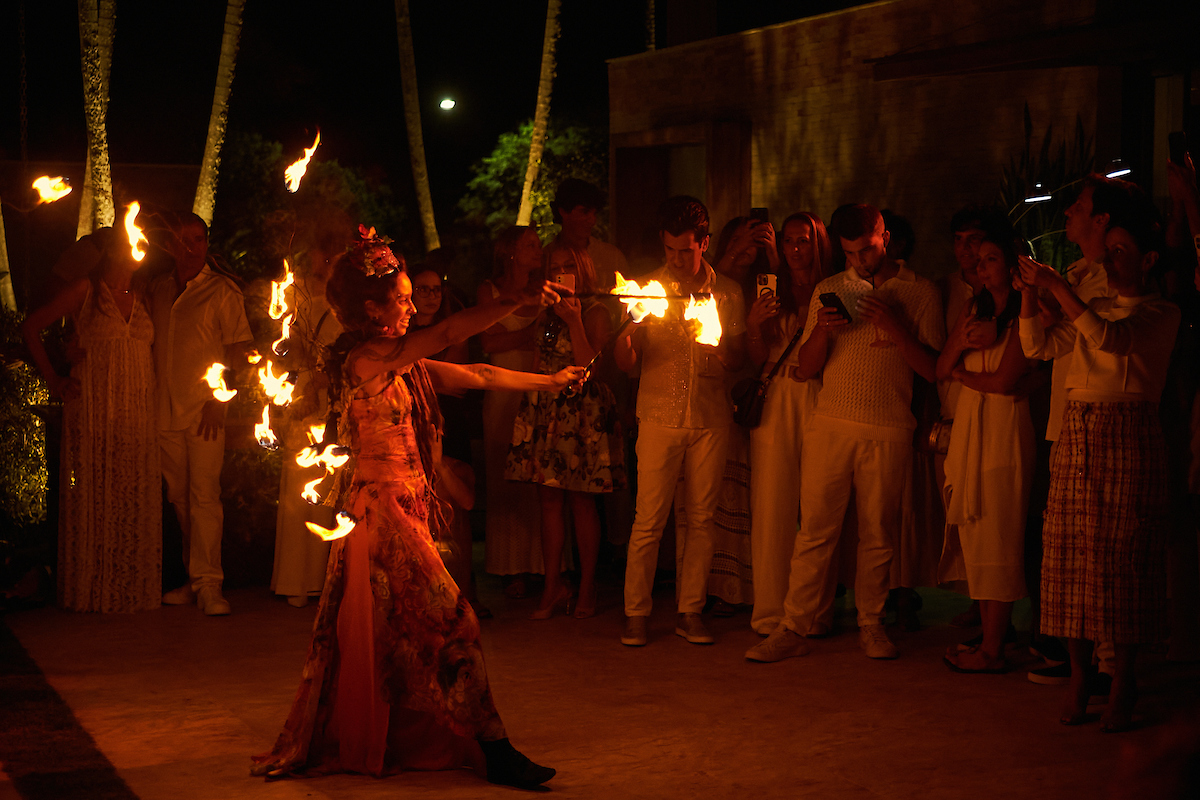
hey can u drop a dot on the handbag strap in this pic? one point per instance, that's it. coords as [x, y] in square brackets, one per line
[787, 352]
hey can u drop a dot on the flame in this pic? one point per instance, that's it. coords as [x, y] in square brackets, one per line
[278, 347]
[639, 309]
[262, 430]
[253, 357]
[708, 322]
[215, 378]
[310, 492]
[295, 172]
[316, 433]
[331, 457]
[279, 304]
[277, 387]
[51, 189]
[345, 524]
[136, 237]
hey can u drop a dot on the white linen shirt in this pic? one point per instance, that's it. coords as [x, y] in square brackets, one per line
[1088, 280]
[191, 331]
[1119, 346]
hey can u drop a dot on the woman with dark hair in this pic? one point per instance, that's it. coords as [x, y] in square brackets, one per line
[989, 465]
[395, 677]
[513, 548]
[110, 517]
[1105, 536]
[776, 444]
[570, 446]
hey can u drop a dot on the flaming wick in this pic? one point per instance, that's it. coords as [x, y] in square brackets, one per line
[51, 189]
[136, 237]
[345, 524]
[295, 172]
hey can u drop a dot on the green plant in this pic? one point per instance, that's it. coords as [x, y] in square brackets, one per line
[493, 195]
[1053, 170]
[23, 473]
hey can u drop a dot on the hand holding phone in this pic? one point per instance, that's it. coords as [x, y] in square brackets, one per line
[831, 300]
[565, 279]
[767, 284]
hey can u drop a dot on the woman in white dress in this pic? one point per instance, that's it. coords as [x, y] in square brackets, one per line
[110, 512]
[989, 466]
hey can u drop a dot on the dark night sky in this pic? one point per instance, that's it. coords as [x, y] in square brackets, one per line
[306, 64]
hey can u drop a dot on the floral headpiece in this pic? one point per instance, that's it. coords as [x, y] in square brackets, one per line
[372, 254]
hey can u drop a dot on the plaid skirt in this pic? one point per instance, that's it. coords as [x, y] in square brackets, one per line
[1104, 558]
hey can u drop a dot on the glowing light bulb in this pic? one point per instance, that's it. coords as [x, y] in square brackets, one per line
[447, 103]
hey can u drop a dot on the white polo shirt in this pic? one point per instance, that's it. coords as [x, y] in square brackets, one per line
[191, 331]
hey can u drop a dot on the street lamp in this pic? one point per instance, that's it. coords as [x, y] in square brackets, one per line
[447, 103]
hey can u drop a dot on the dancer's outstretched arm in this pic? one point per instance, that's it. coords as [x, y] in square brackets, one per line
[450, 377]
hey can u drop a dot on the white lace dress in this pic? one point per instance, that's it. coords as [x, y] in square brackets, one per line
[110, 516]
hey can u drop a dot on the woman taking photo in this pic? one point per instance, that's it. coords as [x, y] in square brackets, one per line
[989, 465]
[1104, 558]
[395, 677]
[776, 444]
[569, 445]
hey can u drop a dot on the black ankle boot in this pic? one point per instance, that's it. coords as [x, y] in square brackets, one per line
[507, 767]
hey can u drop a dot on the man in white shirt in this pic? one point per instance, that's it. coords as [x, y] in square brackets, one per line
[199, 318]
[684, 415]
[860, 434]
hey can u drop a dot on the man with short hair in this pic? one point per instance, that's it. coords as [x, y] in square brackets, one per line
[199, 318]
[684, 416]
[576, 203]
[860, 434]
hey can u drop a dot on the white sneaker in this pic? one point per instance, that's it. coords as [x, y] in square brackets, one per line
[781, 644]
[875, 642]
[211, 602]
[182, 596]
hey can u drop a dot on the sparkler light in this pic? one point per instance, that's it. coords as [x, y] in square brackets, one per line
[136, 237]
[708, 321]
[215, 378]
[295, 172]
[51, 189]
[263, 433]
[345, 524]
[641, 300]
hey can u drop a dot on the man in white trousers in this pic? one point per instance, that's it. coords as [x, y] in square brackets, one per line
[860, 433]
[199, 318]
[684, 414]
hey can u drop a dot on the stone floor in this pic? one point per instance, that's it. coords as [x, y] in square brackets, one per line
[178, 702]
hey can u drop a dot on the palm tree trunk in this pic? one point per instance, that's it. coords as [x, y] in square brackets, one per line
[7, 297]
[412, 121]
[542, 115]
[206, 188]
[96, 22]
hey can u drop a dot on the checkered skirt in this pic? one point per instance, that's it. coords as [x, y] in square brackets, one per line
[1104, 570]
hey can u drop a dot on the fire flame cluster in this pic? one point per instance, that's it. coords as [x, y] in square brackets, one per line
[51, 189]
[293, 174]
[651, 300]
[279, 308]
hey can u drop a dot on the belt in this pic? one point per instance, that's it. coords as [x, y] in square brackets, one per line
[786, 371]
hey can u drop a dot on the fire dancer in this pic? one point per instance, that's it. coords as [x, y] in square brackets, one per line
[684, 415]
[395, 677]
[860, 434]
[199, 318]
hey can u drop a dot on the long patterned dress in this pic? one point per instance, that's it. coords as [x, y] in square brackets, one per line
[110, 520]
[395, 677]
[569, 441]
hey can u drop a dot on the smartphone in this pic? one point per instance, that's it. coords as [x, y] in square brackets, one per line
[565, 279]
[1177, 144]
[760, 214]
[831, 300]
[767, 283]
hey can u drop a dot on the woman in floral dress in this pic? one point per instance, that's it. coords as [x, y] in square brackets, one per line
[395, 677]
[569, 444]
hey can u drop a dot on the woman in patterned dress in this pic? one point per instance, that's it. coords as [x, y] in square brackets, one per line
[395, 677]
[1104, 558]
[569, 445]
[110, 518]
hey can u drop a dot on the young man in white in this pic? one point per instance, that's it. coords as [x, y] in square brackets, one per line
[199, 318]
[684, 415]
[860, 435]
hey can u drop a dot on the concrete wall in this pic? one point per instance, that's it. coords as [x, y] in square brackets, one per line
[823, 132]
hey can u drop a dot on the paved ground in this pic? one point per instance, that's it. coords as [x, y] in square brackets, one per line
[178, 702]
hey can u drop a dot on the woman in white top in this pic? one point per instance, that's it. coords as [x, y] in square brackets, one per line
[1104, 560]
[989, 465]
[776, 444]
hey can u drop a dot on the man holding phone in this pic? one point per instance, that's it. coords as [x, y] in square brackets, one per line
[684, 416]
[861, 431]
